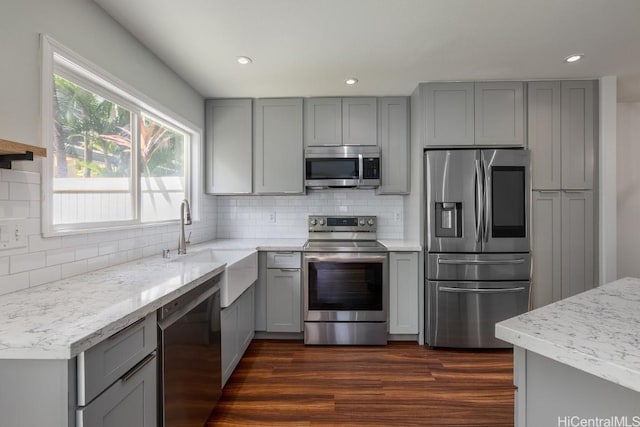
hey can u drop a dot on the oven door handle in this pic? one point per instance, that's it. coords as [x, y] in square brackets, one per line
[334, 258]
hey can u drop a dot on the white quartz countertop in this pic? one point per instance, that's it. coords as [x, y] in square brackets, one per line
[61, 319]
[597, 331]
[401, 245]
[257, 244]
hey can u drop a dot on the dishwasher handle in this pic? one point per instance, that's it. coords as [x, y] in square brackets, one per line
[189, 305]
[481, 290]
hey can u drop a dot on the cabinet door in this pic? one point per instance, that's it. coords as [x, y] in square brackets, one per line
[229, 338]
[544, 135]
[449, 113]
[393, 138]
[577, 242]
[131, 401]
[577, 134]
[547, 247]
[403, 293]
[228, 146]
[499, 113]
[284, 302]
[260, 297]
[278, 147]
[322, 121]
[360, 121]
[246, 320]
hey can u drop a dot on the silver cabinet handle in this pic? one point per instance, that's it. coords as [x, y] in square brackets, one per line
[284, 270]
[128, 328]
[548, 191]
[284, 253]
[126, 377]
[481, 262]
[481, 290]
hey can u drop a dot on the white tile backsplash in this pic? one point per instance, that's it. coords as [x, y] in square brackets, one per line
[250, 216]
[48, 259]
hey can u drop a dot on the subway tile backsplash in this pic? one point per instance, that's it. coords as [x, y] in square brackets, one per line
[48, 259]
[286, 216]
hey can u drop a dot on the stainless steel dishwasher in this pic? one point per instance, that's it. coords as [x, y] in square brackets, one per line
[190, 365]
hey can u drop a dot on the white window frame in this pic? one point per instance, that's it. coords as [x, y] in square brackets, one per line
[58, 59]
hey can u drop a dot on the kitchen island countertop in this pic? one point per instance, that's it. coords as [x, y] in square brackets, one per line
[597, 331]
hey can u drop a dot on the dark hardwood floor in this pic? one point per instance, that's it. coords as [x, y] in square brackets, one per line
[284, 383]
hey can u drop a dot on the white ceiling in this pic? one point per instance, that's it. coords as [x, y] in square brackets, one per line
[308, 47]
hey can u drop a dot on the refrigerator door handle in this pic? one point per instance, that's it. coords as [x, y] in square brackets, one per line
[481, 290]
[487, 202]
[480, 262]
[479, 206]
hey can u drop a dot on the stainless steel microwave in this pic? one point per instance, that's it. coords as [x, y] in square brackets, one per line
[342, 166]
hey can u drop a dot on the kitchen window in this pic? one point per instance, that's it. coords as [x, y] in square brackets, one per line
[115, 160]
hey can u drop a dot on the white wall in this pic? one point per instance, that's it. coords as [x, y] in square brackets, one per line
[249, 216]
[628, 189]
[84, 28]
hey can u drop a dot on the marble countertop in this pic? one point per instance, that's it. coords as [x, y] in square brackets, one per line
[597, 331]
[297, 244]
[401, 245]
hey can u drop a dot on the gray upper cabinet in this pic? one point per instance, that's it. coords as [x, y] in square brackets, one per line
[449, 111]
[577, 134]
[359, 121]
[393, 138]
[322, 121]
[473, 113]
[544, 134]
[499, 113]
[561, 134]
[228, 146]
[340, 121]
[278, 150]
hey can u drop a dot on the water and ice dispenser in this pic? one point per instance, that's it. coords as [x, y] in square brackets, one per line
[448, 219]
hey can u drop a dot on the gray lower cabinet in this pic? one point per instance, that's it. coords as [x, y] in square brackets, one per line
[237, 324]
[278, 147]
[114, 383]
[403, 293]
[563, 252]
[283, 292]
[228, 146]
[471, 113]
[561, 120]
[131, 401]
[393, 139]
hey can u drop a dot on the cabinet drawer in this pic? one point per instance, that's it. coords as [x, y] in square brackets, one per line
[283, 259]
[103, 364]
[131, 402]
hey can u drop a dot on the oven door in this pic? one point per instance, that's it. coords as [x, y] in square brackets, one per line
[346, 287]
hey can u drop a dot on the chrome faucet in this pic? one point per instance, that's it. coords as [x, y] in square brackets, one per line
[182, 242]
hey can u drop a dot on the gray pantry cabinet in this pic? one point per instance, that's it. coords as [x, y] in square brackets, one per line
[114, 383]
[340, 121]
[393, 139]
[228, 146]
[472, 113]
[403, 293]
[237, 326]
[562, 118]
[284, 292]
[277, 146]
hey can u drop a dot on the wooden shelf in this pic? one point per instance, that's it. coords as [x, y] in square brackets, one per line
[13, 151]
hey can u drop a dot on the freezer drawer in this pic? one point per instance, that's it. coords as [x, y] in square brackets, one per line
[472, 267]
[464, 314]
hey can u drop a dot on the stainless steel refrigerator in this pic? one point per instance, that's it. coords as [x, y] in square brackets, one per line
[477, 244]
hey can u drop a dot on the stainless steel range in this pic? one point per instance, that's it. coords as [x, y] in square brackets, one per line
[346, 282]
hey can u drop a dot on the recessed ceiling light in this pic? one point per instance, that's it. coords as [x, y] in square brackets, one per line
[351, 81]
[574, 58]
[244, 60]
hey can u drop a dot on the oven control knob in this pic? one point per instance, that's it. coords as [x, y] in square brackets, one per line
[321, 221]
[361, 221]
[370, 222]
[314, 221]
